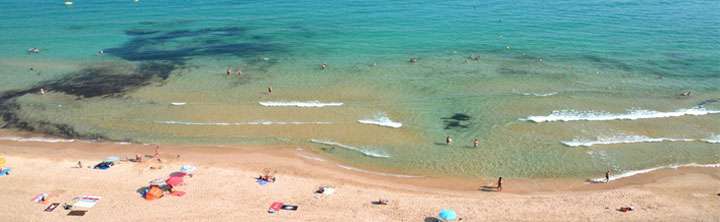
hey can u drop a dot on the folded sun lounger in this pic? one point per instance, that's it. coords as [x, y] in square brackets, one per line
[275, 207]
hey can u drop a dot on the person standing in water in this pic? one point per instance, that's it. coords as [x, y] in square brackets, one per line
[476, 142]
[448, 140]
[269, 90]
[499, 185]
[238, 72]
[228, 71]
[607, 176]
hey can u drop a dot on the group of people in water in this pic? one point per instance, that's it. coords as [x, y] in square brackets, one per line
[475, 142]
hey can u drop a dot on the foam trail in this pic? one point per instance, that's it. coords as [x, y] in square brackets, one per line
[620, 139]
[713, 139]
[643, 171]
[37, 139]
[572, 115]
[377, 173]
[381, 120]
[303, 104]
[365, 152]
[540, 94]
[259, 122]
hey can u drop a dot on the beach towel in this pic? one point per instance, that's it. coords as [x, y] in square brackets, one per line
[39, 198]
[275, 207]
[84, 201]
[187, 169]
[261, 182]
[78, 213]
[290, 207]
[51, 207]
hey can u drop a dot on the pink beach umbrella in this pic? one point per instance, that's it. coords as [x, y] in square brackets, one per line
[174, 181]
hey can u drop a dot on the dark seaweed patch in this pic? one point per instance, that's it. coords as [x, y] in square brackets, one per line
[93, 81]
[457, 120]
[512, 71]
[179, 45]
[608, 63]
[109, 80]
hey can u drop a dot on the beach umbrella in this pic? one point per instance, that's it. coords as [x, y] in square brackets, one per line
[447, 215]
[157, 182]
[174, 181]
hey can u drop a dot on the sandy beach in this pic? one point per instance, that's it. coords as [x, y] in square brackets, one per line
[223, 188]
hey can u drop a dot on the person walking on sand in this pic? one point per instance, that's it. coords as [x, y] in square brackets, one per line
[448, 140]
[476, 142]
[607, 176]
[499, 185]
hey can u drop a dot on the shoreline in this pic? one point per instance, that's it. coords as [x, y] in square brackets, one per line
[223, 188]
[297, 156]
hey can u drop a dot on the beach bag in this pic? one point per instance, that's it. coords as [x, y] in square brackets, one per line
[154, 193]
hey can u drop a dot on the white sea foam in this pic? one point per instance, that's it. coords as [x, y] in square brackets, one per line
[37, 139]
[381, 120]
[713, 139]
[540, 94]
[366, 152]
[643, 171]
[572, 115]
[620, 139]
[377, 173]
[259, 122]
[178, 103]
[304, 104]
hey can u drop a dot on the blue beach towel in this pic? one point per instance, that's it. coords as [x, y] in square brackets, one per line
[261, 182]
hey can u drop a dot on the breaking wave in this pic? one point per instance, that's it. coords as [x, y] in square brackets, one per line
[540, 94]
[713, 139]
[260, 122]
[377, 173]
[572, 115]
[620, 139]
[381, 120]
[304, 104]
[366, 152]
[36, 139]
[643, 171]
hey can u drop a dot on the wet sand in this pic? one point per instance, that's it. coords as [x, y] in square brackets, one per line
[223, 189]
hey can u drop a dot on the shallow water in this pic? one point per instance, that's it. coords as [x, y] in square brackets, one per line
[483, 69]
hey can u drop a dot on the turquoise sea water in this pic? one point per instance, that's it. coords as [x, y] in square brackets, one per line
[483, 68]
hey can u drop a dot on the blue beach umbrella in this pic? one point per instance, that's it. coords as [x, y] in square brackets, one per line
[447, 215]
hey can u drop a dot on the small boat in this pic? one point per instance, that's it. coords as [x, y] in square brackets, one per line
[178, 103]
[68, 2]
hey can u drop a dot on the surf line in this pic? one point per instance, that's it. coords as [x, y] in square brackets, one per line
[301, 104]
[643, 171]
[366, 152]
[572, 115]
[251, 123]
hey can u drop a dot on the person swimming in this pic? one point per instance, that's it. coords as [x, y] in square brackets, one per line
[413, 60]
[476, 142]
[448, 140]
[33, 50]
[323, 66]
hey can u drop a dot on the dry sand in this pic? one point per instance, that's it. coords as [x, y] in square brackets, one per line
[223, 189]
